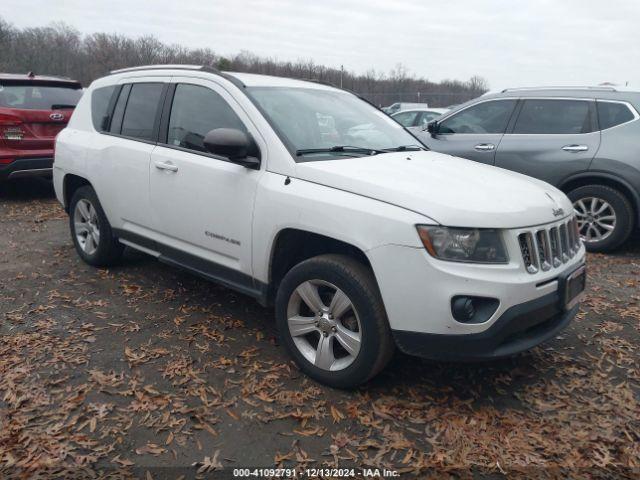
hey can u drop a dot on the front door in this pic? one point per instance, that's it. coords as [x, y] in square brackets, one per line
[203, 204]
[551, 139]
[474, 132]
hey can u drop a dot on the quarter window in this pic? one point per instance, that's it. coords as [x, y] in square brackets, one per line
[141, 110]
[485, 117]
[100, 100]
[611, 114]
[554, 117]
[195, 112]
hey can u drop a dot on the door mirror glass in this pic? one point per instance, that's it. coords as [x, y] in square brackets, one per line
[231, 143]
[432, 127]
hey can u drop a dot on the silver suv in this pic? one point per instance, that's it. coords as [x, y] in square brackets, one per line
[583, 140]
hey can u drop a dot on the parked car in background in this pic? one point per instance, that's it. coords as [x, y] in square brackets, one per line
[585, 141]
[33, 110]
[400, 106]
[362, 243]
[418, 117]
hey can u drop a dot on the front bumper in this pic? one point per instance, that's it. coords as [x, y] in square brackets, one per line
[27, 167]
[519, 328]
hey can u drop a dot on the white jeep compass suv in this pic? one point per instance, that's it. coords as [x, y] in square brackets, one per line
[308, 198]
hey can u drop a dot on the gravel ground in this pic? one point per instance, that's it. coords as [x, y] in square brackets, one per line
[146, 371]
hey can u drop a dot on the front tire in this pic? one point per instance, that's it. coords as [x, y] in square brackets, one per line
[90, 230]
[605, 217]
[332, 320]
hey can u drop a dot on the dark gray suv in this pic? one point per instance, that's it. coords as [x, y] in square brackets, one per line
[585, 141]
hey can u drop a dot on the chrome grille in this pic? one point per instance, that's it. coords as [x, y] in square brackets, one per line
[550, 246]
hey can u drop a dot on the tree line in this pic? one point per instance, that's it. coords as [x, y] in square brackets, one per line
[59, 49]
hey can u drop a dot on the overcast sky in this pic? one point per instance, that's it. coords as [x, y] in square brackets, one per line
[510, 43]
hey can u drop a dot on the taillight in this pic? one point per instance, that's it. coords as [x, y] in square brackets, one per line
[6, 160]
[10, 127]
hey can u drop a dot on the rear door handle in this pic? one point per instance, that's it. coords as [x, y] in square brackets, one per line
[575, 148]
[485, 147]
[166, 166]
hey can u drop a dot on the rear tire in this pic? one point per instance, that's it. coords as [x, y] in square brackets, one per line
[349, 316]
[90, 230]
[605, 217]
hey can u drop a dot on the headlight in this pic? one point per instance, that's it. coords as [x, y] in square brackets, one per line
[463, 244]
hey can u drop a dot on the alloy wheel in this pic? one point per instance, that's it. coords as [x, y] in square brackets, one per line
[86, 229]
[596, 218]
[324, 325]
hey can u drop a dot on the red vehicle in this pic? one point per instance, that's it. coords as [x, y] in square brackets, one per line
[33, 110]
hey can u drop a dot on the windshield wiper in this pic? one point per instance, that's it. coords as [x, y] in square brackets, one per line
[61, 106]
[340, 148]
[405, 148]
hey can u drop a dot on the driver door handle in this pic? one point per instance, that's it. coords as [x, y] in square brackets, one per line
[575, 148]
[485, 147]
[166, 166]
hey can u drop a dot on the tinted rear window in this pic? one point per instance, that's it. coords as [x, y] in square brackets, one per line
[38, 97]
[611, 114]
[554, 117]
[140, 113]
[100, 100]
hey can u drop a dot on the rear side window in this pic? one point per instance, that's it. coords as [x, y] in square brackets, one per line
[195, 112]
[140, 112]
[554, 117]
[611, 114]
[485, 117]
[38, 97]
[100, 101]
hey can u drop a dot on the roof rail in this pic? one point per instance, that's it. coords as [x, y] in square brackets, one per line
[598, 88]
[203, 68]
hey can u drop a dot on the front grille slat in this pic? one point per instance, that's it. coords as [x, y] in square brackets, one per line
[549, 247]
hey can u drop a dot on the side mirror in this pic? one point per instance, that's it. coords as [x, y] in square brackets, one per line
[234, 144]
[433, 127]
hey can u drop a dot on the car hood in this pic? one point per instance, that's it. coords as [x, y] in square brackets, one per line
[451, 191]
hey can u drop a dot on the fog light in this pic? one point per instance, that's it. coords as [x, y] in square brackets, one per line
[470, 309]
[463, 309]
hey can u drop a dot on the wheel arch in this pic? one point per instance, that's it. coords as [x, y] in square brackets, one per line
[70, 184]
[607, 179]
[292, 246]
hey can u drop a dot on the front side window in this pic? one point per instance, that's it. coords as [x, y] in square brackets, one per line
[485, 117]
[406, 119]
[611, 114]
[554, 117]
[312, 121]
[195, 112]
[141, 110]
[39, 97]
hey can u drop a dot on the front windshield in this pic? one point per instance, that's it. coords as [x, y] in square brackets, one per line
[312, 121]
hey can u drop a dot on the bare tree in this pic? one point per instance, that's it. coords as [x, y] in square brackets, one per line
[61, 50]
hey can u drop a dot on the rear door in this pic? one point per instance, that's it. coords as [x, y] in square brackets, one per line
[473, 132]
[33, 113]
[551, 138]
[120, 173]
